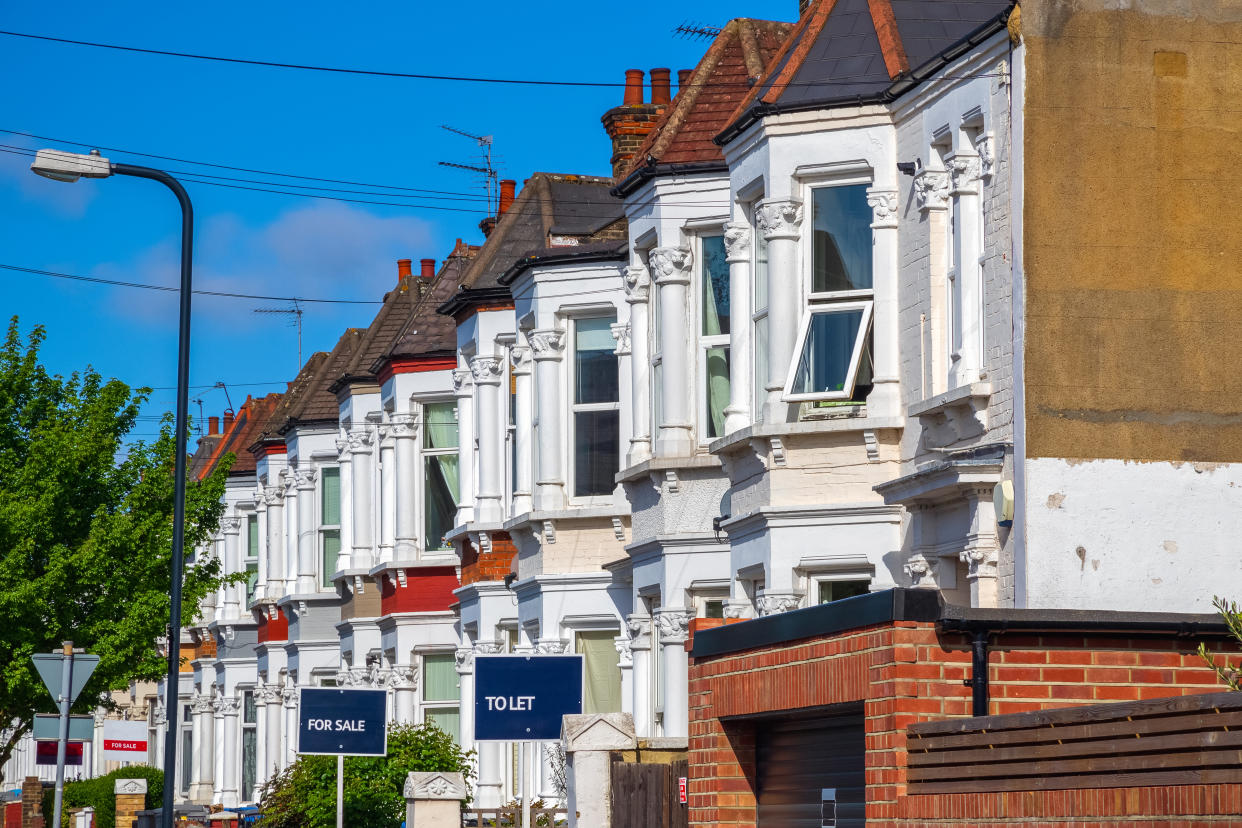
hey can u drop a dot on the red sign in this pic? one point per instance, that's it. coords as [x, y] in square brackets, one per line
[681, 789]
[45, 753]
[118, 744]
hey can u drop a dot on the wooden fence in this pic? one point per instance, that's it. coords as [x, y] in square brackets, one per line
[646, 795]
[1176, 741]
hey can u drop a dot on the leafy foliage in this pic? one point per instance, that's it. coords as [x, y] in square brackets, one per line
[1230, 674]
[304, 795]
[86, 531]
[100, 793]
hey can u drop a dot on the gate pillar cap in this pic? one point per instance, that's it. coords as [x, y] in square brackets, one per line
[598, 731]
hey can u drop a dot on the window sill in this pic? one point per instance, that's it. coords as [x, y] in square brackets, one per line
[659, 464]
[954, 415]
[741, 438]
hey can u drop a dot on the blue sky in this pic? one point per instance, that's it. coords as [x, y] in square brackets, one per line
[354, 128]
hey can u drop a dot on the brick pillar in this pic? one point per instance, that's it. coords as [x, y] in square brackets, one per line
[32, 803]
[131, 797]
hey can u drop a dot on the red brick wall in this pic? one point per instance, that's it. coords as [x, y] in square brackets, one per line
[427, 589]
[487, 566]
[906, 672]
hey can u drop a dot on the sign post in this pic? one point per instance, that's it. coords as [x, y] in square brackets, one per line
[64, 683]
[522, 698]
[340, 723]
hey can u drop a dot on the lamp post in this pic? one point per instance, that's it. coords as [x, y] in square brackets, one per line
[70, 166]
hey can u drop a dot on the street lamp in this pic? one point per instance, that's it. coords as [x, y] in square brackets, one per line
[70, 166]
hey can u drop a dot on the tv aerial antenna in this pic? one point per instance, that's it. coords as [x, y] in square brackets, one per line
[486, 169]
[295, 312]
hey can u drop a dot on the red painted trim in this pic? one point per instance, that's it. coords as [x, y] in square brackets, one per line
[275, 449]
[416, 365]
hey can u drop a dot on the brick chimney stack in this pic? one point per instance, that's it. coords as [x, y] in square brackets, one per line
[507, 189]
[428, 268]
[228, 418]
[213, 426]
[403, 271]
[628, 124]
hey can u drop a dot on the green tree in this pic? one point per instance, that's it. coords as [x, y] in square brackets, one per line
[100, 793]
[86, 531]
[1230, 674]
[304, 795]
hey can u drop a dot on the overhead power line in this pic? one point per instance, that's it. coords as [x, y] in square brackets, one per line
[166, 288]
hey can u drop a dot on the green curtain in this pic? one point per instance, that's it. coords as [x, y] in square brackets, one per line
[601, 684]
[440, 432]
[715, 282]
[252, 536]
[330, 507]
[331, 553]
[439, 677]
[447, 719]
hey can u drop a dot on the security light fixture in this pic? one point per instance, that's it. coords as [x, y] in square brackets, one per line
[70, 166]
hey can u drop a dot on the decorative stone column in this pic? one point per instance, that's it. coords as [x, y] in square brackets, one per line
[292, 522]
[231, 528]
[622, 335]
[360, 440]
[345, 504]
[274, 497]
[966, 283]
[232, 757]
[387, 494]
[260, 511]
[491, 779]
[589, 741]
[289, 695]
[674, 627]
[269, 697]
[488, 505]
[670, 269]
[549, 348]
[463, 389]
[885, 397]
[639, 628]
[204, 747]
[523, 428]
[131, 797]
[780, 221]
[217, 777]
[982, 552]
[433, 799]
[307, 534]
[625, 662]
[403, 679]
[737, 238]
[637, 282]
[931, 196]
[404, 431]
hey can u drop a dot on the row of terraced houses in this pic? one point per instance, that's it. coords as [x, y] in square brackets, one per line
[906, 320]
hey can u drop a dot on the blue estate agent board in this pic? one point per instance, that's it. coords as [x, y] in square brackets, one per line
[342, 722]
[520, 698]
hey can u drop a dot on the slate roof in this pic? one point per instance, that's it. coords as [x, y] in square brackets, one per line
[318, 404]
[272, 431]
[425, 331]
[379, 336]
[241, 433]
[592, 252]
[575, 207]
[846, 52]
[736, 59]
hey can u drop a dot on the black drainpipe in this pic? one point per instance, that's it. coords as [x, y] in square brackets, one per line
[978, 681]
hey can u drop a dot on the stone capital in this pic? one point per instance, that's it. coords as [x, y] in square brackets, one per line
[779, 218]
[965, 171]
[548, 343]
[551, 646]
[737, 238]
[305, 479]
[625, 652]
[931, 190]
[486, 370]
[273, 495]
[674, 625]
[774, 603]
[464, 657]
[621, 333]
[230, 525]
[360, 440]
[883, 205]
[403, 426]
[462, 381]
[519, 358]
[671, 265]
[637, 280]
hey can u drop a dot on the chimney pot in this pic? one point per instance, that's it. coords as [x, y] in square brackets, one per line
[403, 269]
[228, 419]
[660, 93]
[213, 426]
[633, 88]
[507, 188]
[428, 268]
[683, 77]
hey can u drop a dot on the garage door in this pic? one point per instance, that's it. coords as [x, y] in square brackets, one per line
[809, 768]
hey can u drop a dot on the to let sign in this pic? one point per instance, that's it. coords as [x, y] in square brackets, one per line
[342, 722]
[124, 741]
[521, 698]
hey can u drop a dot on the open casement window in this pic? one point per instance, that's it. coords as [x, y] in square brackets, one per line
[595, 415]
[713, 345]
[440, 694]
[440, 478]
[831, 351]
[831, 361]
[252, 556]
[329, 522]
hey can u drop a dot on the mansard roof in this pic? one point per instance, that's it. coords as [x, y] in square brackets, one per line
[551, 210]
[683, 137]
[848, 52]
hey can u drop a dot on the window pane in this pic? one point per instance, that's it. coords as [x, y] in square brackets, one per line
[331, 501]
[595, 364]
[597, 441]
[761, 272]
[252, 536]
[439, 499]
[250, 711]
[445, 718]
[841, 239]
[250, 744]
[601, 684]
[187, 760]
[836, 590]
[713, 608]
[824, 363]
[440, 425]
[717, 387]
[252, 580]
[439, 677]
[331, 553]
[714, 274]
[760, 381]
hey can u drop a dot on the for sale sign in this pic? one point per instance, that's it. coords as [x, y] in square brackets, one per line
[124, 741]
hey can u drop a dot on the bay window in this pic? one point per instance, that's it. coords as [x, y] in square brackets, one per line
[713, 346]
[252, 556]
[440, 478]
[329, 522]
[595, 419]
[440, 694]
[832, 358]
